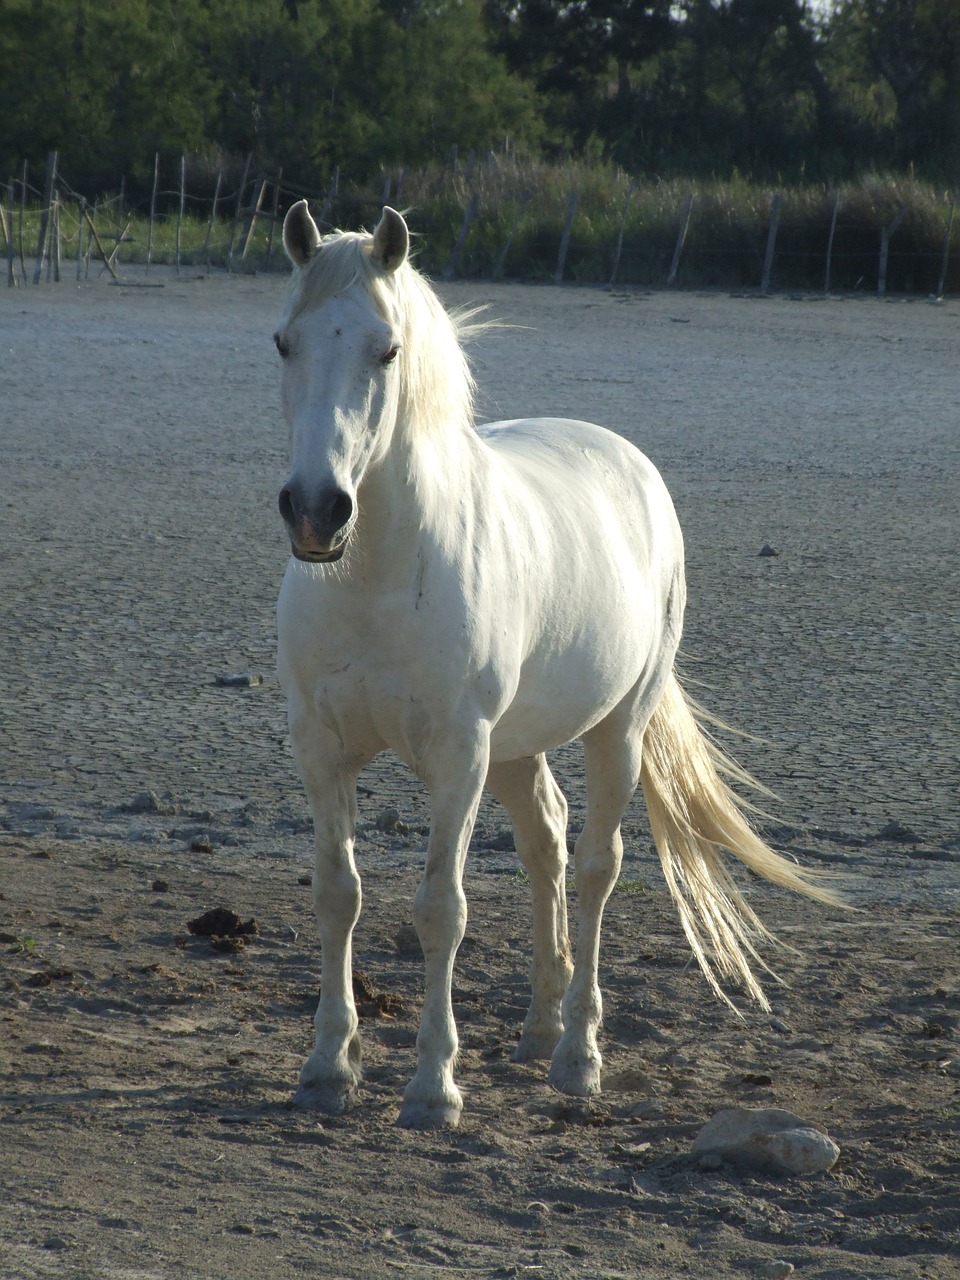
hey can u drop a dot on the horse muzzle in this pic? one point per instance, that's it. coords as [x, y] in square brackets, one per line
[318, 531]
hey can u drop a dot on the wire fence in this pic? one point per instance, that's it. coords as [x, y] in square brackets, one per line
[469, 227]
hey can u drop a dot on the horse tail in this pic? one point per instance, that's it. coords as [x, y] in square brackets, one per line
[694, 815]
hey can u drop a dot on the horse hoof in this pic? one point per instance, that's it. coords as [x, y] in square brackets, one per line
[429, 1115]
[534, 1048]
[577, 1079]
[331, 1100]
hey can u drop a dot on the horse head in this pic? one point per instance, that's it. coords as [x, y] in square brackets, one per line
[339, 340]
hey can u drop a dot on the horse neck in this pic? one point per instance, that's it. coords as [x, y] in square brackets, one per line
[413, 493]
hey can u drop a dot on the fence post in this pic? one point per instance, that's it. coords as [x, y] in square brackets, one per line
[946, 247]
[83, 205]
[833, 228]
[254, 214]
[454, 260]
[205, 251]
[183, 200]
[330, 199]
[500, 265]
[623, 223]
[771, 244]
[681, 237]
[238, 211]
[45, 215]
[100, 249]
[276, 215]
[7, 218]
[885, 235]
[55, 230]
[565, 236]
[153, 209]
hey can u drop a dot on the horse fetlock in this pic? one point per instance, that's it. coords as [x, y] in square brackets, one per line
[331, 1086]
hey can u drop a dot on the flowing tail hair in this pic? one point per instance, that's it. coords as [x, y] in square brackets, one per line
[694, 815]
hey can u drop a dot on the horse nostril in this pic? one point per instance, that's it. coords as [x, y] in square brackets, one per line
[341, 509]
[285, 503]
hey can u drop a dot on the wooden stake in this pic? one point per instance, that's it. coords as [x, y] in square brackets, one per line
[276, 215]
[623, 223]
[253, 214]
[153, 209]
[565, 237]
[20, 216]
[500, 265]
[205, 253]
[885, 234]
[83, 205]
[183, 200]
[6, 216]
[771, 244]
[93, 231]
[681, 237]
[946, 247]
[56, 237]
[453, 262]
[238, 211]
[833, 228]
[48, 187]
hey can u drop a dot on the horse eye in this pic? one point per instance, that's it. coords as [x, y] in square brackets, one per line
[389, 356]
[282, 346]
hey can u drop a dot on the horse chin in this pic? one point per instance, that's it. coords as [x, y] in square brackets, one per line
[319, 557]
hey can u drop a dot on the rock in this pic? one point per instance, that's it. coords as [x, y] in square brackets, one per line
[768, 1139]
[767, 550]
[239, 680]
[896, 833]
[778, 1269]
[389, 820]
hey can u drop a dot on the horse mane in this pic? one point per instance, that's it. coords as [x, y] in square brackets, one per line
[437, 388]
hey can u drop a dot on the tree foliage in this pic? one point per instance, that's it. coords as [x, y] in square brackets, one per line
[763, 87]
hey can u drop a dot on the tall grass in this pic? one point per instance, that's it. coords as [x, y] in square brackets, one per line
[517, 229]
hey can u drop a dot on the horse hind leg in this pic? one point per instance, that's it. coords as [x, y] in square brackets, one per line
[527, 790]
[612, 753]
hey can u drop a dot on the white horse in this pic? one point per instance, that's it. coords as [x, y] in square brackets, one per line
[471, 598]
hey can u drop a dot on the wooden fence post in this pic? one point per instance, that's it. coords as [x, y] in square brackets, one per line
[253, 214]
[330, 199]
[7, 217]
[453, 261]
[276, 215]
[20, 216]
[183, 201]
[771, 244]
[238, 211]
[833, 228]
[681, 237]
[500, 265]
[205, 251]
[48, 187]
[100, 249]
[565, 237]
[55, 230]
[885, 235]
[153, 208]
[83, 205]
[623, 223]
[946, 247]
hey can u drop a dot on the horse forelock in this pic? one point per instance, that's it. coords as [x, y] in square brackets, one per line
[437, 387]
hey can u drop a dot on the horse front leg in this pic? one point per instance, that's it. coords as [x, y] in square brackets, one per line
[331, 1075]
[432, 1099]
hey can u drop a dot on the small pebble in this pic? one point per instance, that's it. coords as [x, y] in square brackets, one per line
[160, 886]
[775, 1270]
[239, 680]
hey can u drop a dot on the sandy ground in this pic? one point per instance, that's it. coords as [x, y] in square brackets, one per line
[146, 1131]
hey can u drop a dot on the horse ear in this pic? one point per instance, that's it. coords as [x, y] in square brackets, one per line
[301, 239]
[391, 240]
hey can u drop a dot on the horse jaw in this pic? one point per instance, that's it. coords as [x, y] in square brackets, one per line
[391, 240]
[301, 237]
